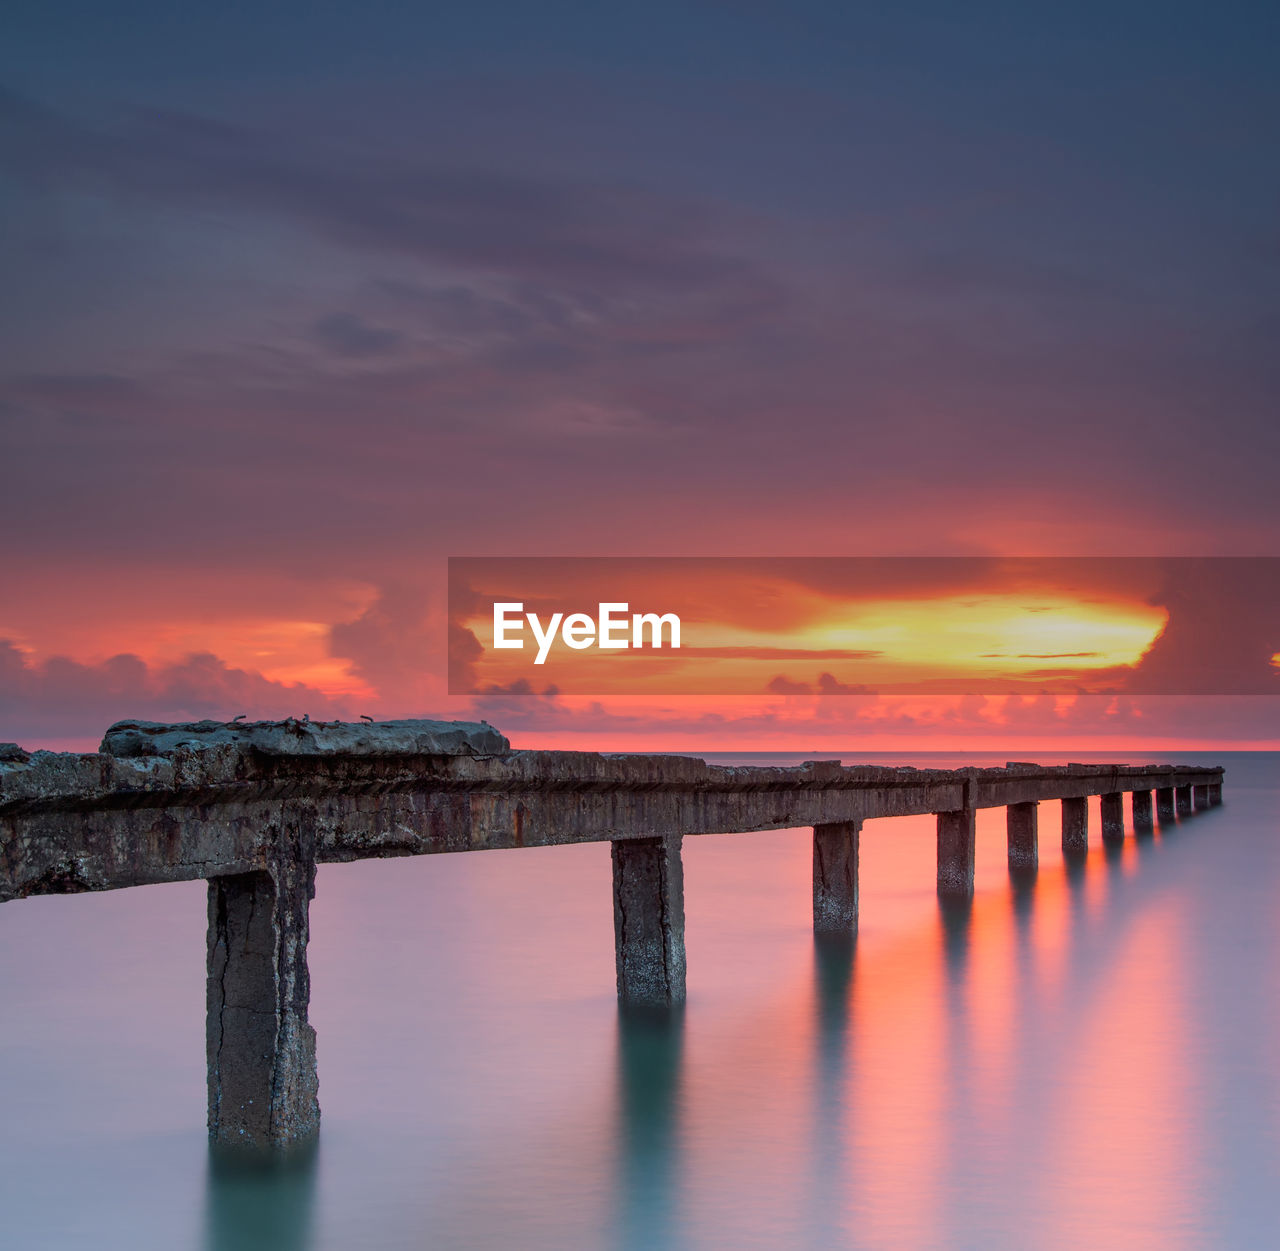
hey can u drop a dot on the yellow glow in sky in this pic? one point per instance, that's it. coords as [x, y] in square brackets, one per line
[982, 635]
[996, 633]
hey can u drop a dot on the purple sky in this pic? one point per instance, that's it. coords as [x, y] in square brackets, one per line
[297, 305]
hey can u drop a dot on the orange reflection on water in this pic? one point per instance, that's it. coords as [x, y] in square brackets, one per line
[1120, 1115]
[1033, 1031]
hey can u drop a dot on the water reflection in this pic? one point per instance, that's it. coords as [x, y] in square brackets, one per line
[833, 976]
[1075, 864]
[956, 915]
[260, 1200]
[650, 1052]
[1022, 900]
[833, 966]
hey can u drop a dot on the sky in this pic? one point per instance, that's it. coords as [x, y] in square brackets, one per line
[297, 304]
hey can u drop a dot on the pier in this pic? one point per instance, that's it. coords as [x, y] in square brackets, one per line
[253, 808]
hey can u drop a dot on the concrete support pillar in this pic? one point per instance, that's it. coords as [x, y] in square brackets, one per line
[1200, 797]
[1024, 846]
[956, 841]
[1113, 817]
[648, 921]
[1164, 803]
[1075, 825]
[260, 1048]
[1182, 796]
[1215, 794]
[1143, 823]
[835, 877]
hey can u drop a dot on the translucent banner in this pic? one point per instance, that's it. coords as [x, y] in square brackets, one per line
[864, 625]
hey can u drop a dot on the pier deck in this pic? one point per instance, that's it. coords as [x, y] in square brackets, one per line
[253, 808]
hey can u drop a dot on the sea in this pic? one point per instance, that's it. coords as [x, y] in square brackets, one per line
[1089, 1058]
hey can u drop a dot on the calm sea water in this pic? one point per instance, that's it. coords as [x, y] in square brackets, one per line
[1091, 1060]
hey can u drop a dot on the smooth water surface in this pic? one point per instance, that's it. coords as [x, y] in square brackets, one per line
[1089, 1059]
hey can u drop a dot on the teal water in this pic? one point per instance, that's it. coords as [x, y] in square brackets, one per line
[1088, 1060]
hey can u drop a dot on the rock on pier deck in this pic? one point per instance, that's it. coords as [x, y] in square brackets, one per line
[254, 807]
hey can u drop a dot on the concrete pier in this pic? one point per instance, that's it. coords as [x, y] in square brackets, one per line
[648, 921]
[260, 1049]
[1113, 817]
[1200, 798]
[1182, 797]
[1075, 825]
[956, 844]
[1143, 820]
[253, 808]
[835, 877]
[1023, 835]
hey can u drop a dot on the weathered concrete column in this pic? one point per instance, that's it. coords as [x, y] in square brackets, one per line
[1164, 803]
[1200, 797]
[1113, 817]
[1023, 829]
[261, 1050]
[1182, 796]
[1143, 823]
[1215, 793]
[648, 921]
[1075, 825]
[835, 877]
[956, 843]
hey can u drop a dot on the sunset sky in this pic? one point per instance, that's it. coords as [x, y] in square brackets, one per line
[299, 304]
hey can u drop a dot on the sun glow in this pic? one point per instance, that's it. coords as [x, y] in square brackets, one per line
[995, 634]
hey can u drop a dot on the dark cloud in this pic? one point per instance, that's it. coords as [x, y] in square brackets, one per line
[568, 341]
[464, 650]
[1223, 630]
[478, 218]
[64, 699]
[348, 334]
[828, 684]
[396, 645]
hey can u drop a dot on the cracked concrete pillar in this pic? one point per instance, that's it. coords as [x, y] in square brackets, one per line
[1182, 795]
[1142, 819]
[1113, 817]
[261, 1050]
[1164, 803]
[1215, 793]
[956, 842]
[648, 921]
[1075, 825]
[1200, 797]
[1024, 841]
[835, 877]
